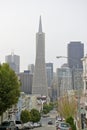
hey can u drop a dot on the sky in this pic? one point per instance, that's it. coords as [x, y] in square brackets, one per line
[62, 21]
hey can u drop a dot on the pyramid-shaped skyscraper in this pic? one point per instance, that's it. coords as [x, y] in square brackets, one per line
[40, 79]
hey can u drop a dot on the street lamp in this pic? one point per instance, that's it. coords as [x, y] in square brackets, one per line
[75, 60]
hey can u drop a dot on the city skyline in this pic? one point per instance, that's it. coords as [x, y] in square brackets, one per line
[63, 21]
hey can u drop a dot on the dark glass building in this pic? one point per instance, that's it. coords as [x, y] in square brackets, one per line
[75, 53]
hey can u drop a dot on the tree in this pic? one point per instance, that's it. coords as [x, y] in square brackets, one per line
[9, 88]
[67, 106]
[25, 116]
[48, 107]
[35, 115]
[70, 120]
[51, 105]
[45, 109]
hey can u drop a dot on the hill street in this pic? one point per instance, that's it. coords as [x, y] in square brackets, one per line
[48, 127]
[45, 126]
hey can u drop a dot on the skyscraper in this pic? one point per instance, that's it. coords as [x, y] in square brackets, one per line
[14, 62]
[64, 76]
[75, 53]
[26, 81]
[31, 68]
[40, 78]
[49, 69]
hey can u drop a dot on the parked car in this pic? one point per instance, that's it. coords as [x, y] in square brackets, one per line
[8, 125]
[39, 124]
[31, 126]
[63, 126]
[35, 125]
[28, 125]
[56, 123]
[19, 125]
[59, 118]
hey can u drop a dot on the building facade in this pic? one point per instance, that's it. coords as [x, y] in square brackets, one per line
[26, 79]
[49, 69]
[75, 53]
[14, 62]
[84, 61]
[64, 79]
[31, 68]
[40, 77]
[77, 78]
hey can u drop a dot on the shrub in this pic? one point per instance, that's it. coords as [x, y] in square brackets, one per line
[25, 116]
[70, 120]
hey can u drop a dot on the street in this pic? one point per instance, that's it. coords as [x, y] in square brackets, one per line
[44, 121]
[52, 116]
[48, 127]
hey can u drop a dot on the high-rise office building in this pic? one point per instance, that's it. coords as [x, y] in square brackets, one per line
[40, 78]
[14, 62]
[31, 68]
[26, 79]
[75, 53]
[64, 75]
[49, 69]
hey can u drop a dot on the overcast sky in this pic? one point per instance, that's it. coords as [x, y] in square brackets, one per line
[62, 21]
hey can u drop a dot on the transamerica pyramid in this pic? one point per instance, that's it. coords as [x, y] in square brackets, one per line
[39, 85]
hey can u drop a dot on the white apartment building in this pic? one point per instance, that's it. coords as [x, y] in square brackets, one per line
[84, 60]
[14, 112]
[84, 98]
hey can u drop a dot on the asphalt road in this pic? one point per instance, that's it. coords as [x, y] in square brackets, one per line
[52, 117]
[44, 121]
[48, 127]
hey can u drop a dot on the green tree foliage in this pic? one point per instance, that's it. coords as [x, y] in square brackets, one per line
[35, 115]
[47, 108]
[9, 88]
[45, 111]
[51, 105]
[70, 120]
[25, 116]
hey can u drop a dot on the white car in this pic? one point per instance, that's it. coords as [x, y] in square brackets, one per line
[59, 118]
[35, 124]
[28, 125]
[19, 125]
[56, 122]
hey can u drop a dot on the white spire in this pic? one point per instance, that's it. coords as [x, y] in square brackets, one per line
[40, 25]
